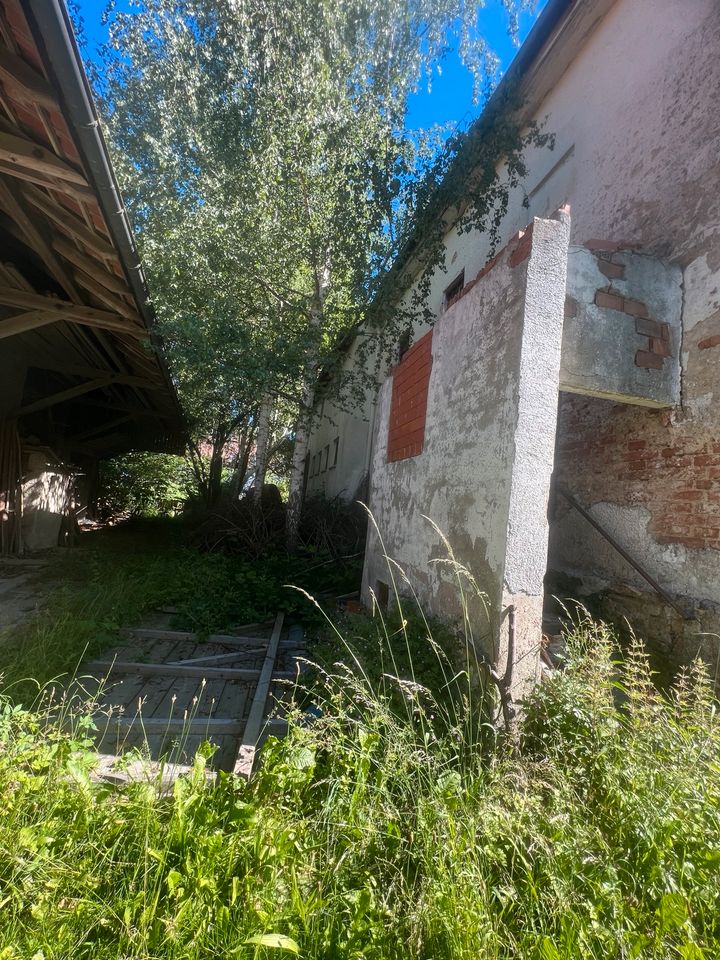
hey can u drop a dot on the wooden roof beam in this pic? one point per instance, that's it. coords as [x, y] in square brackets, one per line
[76, 312]
[82, 194]
[26, 154]
[28, 226]
[63, 396]
[101, 428]
[69, 224]
[93, 268]
[79, 370]
[105, 296]
[26, 82]
[25, 322]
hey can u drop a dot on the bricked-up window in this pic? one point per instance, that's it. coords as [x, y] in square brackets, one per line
[406, 433]
[454, 289]
[325, 455]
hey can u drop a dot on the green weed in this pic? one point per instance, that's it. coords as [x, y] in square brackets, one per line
[374, 832]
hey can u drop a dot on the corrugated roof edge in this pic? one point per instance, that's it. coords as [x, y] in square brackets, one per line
[54, 34]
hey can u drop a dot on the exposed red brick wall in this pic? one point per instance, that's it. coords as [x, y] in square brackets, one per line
[638, 457]
[408, 406]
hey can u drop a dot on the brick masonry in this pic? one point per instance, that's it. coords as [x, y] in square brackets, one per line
[638, 457]
[657, 349]
[408, 408]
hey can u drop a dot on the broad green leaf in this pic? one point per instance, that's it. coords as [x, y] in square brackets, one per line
[273, 941]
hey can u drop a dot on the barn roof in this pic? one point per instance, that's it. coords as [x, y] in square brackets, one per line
[75, 314]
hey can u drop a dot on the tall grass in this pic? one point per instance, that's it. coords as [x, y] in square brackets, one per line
[379, 831]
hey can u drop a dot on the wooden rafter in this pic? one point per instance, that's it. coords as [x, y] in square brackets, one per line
[105, 296]
[80, 370]
[33, 235]
[93, 268]
[75, 190]
[24, 322]
[64, 310]
[26, 154]
[27, 84]
[63, 395]
[101, 428]
[68, 223]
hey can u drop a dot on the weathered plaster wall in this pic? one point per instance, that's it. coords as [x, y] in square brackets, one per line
[622, 331]
[46, 488]
[637, 156]
[484, 471]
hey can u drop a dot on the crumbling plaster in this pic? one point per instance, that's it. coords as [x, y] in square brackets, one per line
[637, 155]
[482, 480]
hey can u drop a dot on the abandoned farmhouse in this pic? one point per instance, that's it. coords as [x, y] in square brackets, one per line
[80, 375]
[559, 422]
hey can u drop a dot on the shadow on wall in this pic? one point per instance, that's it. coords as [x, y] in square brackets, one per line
[47, 488]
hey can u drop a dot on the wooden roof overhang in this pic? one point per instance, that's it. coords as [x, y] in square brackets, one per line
[80, 368]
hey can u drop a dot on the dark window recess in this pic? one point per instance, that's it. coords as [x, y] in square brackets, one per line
[404, 343]
[382, 594]
[454, 289]
[336, 447]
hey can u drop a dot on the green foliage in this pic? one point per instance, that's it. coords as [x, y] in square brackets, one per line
[265, 156]
[144, 484]
[377, 835]
[114, 577]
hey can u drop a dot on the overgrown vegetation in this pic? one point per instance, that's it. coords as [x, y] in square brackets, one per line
[117, 575]
[381, 830]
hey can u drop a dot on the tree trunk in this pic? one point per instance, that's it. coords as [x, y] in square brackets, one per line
[262, 445]
[297, 471]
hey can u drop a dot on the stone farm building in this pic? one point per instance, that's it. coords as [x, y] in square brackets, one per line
[566, 401]
[80, 376]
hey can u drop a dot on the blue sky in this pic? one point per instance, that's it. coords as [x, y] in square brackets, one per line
[450, 99]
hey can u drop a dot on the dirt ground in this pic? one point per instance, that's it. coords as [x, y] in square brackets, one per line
[24, 583]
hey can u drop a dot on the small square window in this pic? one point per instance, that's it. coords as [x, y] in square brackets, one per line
[453, 289]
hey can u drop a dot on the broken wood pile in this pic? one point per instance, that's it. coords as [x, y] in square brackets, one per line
[167, 691]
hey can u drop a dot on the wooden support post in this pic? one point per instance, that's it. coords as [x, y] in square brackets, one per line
[253, 728]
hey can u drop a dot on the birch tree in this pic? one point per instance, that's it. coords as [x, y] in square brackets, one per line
[272, 177]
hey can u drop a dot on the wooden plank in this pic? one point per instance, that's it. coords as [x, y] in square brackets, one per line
[93, 268]
[224, 639]
[24, 322]
[69, 224]
[219, 657]
[26, 82]
[248, 744]
[64, 308]
[28, 155]
[177, 670]
[63, 187]
[213, 725]
[30, 233]
[62, 396]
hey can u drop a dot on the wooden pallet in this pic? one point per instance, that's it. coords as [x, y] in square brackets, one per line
[167, 691]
